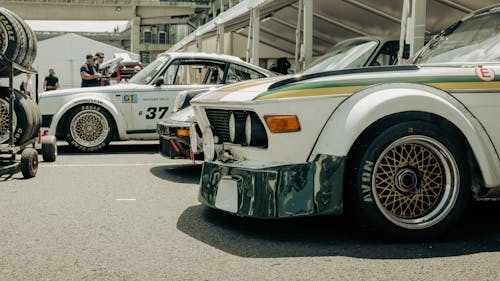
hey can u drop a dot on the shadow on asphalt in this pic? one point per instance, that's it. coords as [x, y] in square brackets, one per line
[188, 173]
[334, 236]
[121, 147]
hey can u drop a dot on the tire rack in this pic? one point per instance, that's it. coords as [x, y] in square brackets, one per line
[8, 151]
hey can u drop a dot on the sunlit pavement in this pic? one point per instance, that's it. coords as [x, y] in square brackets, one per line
[130, 214]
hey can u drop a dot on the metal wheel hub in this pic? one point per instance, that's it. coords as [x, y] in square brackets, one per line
[89, 128]
[4, 121]
[407, 180]
[415, 182]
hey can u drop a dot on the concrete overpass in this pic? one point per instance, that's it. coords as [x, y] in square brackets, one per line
[151, 16]
[149, 11]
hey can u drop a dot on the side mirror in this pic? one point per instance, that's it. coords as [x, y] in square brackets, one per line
[159, 82]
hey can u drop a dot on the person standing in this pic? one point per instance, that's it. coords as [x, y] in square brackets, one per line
[88, 72]
[51, 81]
[27, 85]
[99, 56]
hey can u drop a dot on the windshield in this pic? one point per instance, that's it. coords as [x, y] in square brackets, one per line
[350, 54]
[149, 72]
[474, 40]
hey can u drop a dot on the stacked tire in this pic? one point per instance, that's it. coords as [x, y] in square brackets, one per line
[17, 41]
[26, 117]
[17, 45]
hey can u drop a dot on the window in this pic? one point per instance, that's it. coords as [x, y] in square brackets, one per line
[145, 57]
[238, 73]
[388, 54]
[185, 72]
[147, 36]
[162, 37]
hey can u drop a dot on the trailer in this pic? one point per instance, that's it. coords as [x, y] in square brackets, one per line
[15, 145]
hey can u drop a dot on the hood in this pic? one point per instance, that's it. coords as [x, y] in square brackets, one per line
[345, 82]
[111, 88]
[184, 115]
[242, 91]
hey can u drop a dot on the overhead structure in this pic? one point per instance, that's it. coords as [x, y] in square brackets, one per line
[154, 24]
[323, 23]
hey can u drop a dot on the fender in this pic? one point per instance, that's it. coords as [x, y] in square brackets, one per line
[121, 122]
[365, 107]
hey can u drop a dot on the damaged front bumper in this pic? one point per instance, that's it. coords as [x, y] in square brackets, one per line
[172, 144]
[275, 191]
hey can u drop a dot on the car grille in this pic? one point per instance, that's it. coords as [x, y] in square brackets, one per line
[219, 121]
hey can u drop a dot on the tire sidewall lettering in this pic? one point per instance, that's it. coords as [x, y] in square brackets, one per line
[69, 119]
[366, 182]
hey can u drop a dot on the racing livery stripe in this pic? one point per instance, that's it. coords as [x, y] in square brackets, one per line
[351, 86]
[247, 84]
[312, 92]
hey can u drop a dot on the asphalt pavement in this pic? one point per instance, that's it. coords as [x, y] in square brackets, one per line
[130, 214]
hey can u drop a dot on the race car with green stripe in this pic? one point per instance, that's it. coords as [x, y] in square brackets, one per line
[90, 118]
[180, 136]
[403, 148]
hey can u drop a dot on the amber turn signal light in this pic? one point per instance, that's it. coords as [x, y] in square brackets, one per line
[282, 123]
[183, 132]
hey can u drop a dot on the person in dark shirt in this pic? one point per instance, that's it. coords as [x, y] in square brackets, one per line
[51, 81]
[88, 72]
[99, 58]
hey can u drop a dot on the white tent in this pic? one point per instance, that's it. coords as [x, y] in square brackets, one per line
[66, 53]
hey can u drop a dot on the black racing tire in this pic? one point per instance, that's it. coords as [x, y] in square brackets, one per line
[21, 51]
[8, 35]
[17, 41]
[23, 130]
[88, 128]
[29, 163]
[411, 182]
[30, 44]
[37, 118]
[49, 148]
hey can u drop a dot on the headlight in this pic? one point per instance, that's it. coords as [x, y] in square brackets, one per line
[208, 144]
[179, 100]
[232, 127]
[236, 128]
[255, 133]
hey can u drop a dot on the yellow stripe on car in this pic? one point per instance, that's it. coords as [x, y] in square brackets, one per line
[351, 89]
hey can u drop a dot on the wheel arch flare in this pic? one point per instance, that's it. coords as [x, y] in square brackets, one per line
[363, 109]
[61, 114]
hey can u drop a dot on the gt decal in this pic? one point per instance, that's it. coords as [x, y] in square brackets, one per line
[131, 98]
[153, 110]
[366, 179]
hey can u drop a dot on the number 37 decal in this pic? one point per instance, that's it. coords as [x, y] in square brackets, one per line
[152, 111]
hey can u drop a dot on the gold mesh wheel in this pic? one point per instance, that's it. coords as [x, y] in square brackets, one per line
[415, 182]
[4, 120]
[89, 128]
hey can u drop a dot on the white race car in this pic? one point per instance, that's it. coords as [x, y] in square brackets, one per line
[89, 118]
[180, 136]
[404, 147]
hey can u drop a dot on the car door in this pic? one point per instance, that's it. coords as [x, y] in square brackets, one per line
[143, 98]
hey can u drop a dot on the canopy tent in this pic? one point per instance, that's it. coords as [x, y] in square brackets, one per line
[333, 21]
[66, 53]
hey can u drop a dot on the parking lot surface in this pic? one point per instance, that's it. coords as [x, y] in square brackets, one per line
[129, 214]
